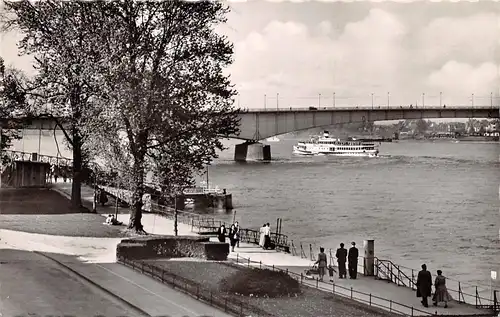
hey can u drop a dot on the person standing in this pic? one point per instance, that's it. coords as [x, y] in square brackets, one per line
[341, 256]
[262, 237]
[424, 285]
[352, 259]
[322, 263]
[221, 233]
[267, 236]
[441, 293]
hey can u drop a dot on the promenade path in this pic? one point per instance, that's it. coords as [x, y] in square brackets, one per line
[364, 289]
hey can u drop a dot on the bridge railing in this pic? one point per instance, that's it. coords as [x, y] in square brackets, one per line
[368, 108]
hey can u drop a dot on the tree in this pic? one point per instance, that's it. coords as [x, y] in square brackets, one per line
[170, 101]
[59, 36]
[421, 126]
[12, 105]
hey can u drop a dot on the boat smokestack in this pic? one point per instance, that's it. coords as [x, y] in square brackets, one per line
[326, 134]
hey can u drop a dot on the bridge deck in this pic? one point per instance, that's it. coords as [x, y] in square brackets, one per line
[386, 295]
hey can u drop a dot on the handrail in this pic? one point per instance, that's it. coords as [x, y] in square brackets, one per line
[367, 298]
[227, 304]
[284, 108]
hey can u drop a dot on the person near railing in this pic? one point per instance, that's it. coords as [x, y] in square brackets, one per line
[233, 236]
[267, 236]
[262, 238]
[441, 294]
[221, 233]
[424, 285]
[352, 259]
[322, 263]
[341, 256]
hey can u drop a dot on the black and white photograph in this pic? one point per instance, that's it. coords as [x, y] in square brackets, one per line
[249, 158]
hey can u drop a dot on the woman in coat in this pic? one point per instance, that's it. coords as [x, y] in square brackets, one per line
[221, 234]
[322, 263]
[262, 238]
[441, 294]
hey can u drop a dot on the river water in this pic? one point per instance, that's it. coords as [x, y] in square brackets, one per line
[422, 202]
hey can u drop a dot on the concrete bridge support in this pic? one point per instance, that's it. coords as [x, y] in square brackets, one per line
[250, 151]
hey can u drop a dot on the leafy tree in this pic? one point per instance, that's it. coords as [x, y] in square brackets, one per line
[170, 102]
[422, 126]
[58, 35]
[12, 105]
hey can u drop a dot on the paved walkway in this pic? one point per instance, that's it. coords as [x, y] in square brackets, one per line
[387, 295]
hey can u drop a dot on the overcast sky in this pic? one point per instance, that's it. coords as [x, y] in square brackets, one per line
[304, 49]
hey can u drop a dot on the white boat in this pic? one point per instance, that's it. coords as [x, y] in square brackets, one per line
[273, 139]
[325, 145]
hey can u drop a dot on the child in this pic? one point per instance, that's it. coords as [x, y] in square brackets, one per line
[331, 270]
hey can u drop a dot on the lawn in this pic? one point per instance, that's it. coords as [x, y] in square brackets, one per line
[47, 212]
[310, 303]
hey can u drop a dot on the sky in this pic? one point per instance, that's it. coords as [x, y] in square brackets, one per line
[304, 53]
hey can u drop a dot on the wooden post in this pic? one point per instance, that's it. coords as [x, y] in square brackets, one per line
[176, 232]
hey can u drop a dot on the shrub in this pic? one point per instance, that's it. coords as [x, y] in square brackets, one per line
[261, 283]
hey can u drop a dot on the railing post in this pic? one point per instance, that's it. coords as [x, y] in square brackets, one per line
[198, 291]
[476, 296]
[248, 262]
[460, 295]
[370, 299]
[225, 304]
[317, 282]
[411, 311]
[412, 278]
[333, 288]
[390, 305]
[301, 277]
[273, 269]
[211, 298]
[241, 309]
[351, 292]
[162, 275]
[237, 257]
[260, 264]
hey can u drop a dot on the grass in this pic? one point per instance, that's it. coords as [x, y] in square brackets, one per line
[47, 212]
[310, 303]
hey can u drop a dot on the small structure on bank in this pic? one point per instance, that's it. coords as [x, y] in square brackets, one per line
[25, 174]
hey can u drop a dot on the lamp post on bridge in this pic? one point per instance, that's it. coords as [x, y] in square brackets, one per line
[319, 101]
[265, 101]
[277, 100]
[440, 99]
[334, 99]
[388, 99]
[423, 100]
[372, 100]
[491, 100]
[472, 100]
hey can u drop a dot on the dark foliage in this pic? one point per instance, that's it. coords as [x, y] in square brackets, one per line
[261, 283]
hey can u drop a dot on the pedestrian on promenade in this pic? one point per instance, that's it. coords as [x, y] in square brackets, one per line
[424, 285]
[221, 233]
[267, 236]
[238, 234]
[341, 256]
[233, 236]
[322, 263]
[441, 293]
[262, 238]
[352, 259]
[331, 271]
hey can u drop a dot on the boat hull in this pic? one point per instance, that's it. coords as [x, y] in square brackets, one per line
[368, 153]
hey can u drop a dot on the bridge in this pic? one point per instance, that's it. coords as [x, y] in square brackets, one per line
[259, 124]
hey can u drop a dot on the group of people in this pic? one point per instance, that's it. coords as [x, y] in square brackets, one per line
[112, 221]
[233, 233]
[424, 287]
[265, 236]
[343, 256]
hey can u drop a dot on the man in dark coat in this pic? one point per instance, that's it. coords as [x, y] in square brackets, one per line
[424, 285]
[341, 256]
[352, 259]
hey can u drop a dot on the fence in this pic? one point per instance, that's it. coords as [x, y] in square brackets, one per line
[227, 304]
[367, 298]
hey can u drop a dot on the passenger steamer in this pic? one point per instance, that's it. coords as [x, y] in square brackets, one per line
[330, 146]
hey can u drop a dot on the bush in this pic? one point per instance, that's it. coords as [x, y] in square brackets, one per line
[261, 283]
[215, 251]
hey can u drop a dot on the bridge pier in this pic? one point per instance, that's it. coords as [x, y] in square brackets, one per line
[250, 151]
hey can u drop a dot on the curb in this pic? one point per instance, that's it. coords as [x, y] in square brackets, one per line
[125, 302]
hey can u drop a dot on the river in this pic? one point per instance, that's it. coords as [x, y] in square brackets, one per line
[422, 202]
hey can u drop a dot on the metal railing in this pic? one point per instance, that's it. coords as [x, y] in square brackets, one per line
[351, 293]
[226, 303]
[460, 291]
[25, 156]
[284, 108]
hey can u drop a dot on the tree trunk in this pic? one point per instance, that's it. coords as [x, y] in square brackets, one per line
[138, 192]
[76, 186]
